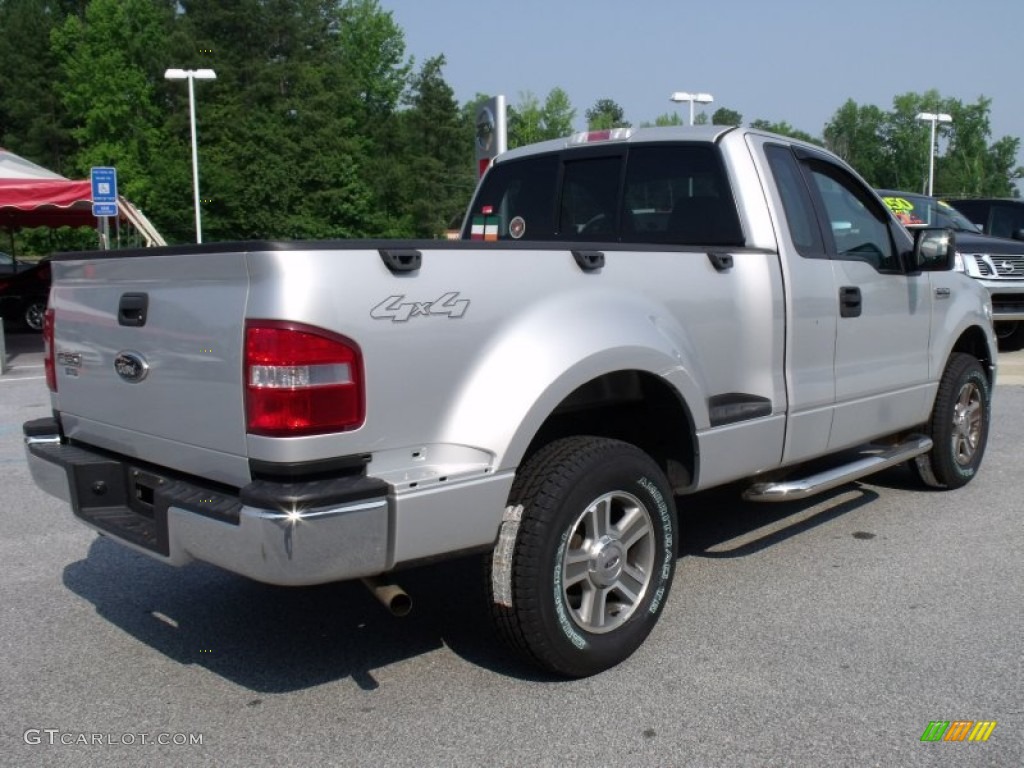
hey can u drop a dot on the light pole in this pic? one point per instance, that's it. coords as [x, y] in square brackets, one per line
[933, 118]
[191, 75]
[700, 98]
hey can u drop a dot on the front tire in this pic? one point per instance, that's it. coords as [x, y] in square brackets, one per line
[585, 557]
[959, 425]
[1010, 335]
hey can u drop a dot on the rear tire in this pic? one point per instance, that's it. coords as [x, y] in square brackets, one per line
[33, 316]
[958, 427]
[585, 556]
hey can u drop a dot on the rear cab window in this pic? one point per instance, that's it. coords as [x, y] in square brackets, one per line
[673, 194]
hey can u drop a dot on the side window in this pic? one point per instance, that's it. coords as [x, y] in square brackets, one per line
[678, 194]
[796, 202]
[517, 201]
[1006, 220]
[859, 228]
[590, 189]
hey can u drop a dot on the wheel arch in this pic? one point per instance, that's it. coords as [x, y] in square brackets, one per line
[975, 342]
[635, 406]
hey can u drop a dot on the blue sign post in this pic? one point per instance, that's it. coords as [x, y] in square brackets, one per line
[104, 191]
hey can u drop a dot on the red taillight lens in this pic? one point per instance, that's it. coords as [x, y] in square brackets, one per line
[301, 380]
[48, 353]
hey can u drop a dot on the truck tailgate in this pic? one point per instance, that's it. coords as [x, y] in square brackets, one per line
[148, 358]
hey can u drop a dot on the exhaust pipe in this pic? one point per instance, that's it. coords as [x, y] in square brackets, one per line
[391, 596]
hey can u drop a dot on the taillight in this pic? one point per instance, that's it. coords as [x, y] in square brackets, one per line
[48, 353]
[301, 380]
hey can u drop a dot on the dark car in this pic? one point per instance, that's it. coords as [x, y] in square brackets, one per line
[1001, 217]
[23, 296]
[995, 262]
[9, 265]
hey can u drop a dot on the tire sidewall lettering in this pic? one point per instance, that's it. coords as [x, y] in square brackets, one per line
[667, 540]
[560, 608]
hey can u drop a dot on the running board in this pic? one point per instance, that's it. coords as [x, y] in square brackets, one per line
[791, 490]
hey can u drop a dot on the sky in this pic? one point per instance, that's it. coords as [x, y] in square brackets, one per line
[796, 61]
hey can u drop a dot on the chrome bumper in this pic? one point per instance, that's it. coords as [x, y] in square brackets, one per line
[278, 533]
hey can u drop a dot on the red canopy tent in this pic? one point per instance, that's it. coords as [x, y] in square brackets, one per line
[32, 196]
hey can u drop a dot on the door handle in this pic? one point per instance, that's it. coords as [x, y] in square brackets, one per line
[849, 301]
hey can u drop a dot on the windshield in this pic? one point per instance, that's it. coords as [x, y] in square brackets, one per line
[923, 211]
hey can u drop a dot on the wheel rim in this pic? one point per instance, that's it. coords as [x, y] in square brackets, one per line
[34, 316]
[967, 424]
[608, 562]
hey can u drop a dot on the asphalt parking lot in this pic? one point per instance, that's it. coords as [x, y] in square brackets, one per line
[822, 633]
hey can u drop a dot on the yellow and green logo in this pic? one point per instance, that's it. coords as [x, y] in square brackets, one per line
[958, 730]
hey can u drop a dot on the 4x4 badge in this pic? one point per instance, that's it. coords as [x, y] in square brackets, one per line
[395, 309]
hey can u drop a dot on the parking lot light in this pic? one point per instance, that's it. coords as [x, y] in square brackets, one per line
[700, 98]
[933, 118]
[192, 75]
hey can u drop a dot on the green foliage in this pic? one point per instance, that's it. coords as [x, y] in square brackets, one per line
[726, 116]
[784, 129]
[109, 63]
[890, 149]
[529, 121]
[665, 119]
[605, 114]
[33, 120]
[319, 126]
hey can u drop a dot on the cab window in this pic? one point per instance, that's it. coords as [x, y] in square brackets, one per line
[516, 201]
[859, 229]
[679, 195]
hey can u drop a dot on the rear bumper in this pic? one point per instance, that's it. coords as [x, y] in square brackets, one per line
[279, 533]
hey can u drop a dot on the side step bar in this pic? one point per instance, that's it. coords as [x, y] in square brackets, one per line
[791, 490]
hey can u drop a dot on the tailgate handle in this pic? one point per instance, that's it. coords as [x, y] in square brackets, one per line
[131, 310]
[589, 261]
[722, 262]
[401, 259]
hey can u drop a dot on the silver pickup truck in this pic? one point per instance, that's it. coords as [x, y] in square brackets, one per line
[632, 317]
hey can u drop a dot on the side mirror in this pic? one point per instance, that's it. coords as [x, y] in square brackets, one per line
[934, 250]
[1018, 234]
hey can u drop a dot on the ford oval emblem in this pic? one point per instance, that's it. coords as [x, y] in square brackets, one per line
[131, 366]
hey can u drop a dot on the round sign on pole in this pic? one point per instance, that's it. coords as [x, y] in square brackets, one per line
[486, 129]
[490, 133]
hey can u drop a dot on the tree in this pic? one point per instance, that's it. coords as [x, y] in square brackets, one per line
[439, 153]
[725, 116]
[558, 114]
[34, 122]
[529, 121]
[302, 115]
[605, 114]
[110, 64]
[971, 166]
[665, 119]
[853, 134]
[525, 121]
[784, 129]
[890, 149]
